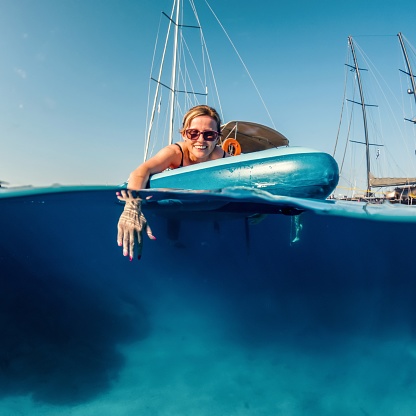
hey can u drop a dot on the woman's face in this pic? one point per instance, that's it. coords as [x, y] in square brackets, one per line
[200, 147]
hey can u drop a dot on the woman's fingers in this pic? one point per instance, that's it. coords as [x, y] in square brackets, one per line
[131, 244]
[149, 232]
[127, 195]
[120, 233]
[139, 245]
[125, 241]
[122, 195]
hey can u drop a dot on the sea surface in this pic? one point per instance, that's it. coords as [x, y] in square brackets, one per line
[309, 314]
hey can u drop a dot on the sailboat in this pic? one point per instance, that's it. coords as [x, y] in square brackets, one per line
[405, 189]
[262, 158]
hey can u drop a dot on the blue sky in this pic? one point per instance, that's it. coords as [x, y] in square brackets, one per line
[74, 76]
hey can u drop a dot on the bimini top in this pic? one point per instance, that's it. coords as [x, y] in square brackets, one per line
[252, 136]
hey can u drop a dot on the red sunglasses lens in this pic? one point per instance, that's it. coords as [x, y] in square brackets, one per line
[209, 136]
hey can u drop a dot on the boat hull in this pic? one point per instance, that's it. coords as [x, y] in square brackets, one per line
[289, 171]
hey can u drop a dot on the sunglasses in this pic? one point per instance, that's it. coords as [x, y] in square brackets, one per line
[209, 135]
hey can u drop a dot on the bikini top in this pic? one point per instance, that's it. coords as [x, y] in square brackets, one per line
[180, 147]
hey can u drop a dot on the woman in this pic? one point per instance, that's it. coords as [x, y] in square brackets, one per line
[200, 132]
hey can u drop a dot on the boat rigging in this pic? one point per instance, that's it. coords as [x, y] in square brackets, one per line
[372, 181]
[191, 75]
[409, 72]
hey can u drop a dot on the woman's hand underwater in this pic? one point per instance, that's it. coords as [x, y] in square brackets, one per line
[131, 225]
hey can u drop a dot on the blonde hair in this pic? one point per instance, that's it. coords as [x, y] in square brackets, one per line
[200, 110]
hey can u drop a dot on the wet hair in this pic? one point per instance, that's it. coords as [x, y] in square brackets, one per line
[200, 110]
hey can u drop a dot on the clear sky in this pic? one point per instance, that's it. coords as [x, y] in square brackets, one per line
[74, 75]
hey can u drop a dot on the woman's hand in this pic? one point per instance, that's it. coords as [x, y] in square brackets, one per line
[131, 225]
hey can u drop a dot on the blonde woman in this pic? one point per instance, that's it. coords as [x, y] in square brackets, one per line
[200, 132]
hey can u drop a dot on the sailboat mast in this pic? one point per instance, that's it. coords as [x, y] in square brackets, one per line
[156, 97]
[367, 144]
[409, 68]
[173, 79]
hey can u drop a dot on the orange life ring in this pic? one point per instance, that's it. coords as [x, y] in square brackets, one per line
[232, 147]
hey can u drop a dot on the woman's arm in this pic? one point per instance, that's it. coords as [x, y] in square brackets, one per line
[132, 222]
[168, 157]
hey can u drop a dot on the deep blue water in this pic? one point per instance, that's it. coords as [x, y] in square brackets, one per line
[218, 318]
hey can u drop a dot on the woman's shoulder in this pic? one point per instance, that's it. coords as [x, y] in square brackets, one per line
[171, 149]
[168, 156]
[175, 147]
[178, 151]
